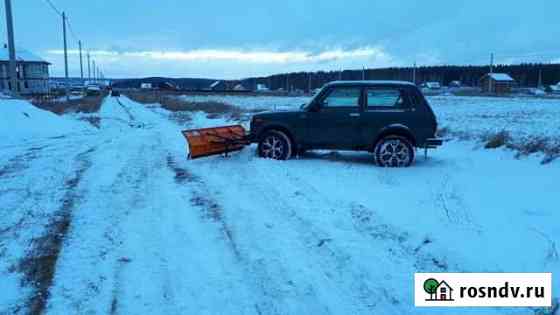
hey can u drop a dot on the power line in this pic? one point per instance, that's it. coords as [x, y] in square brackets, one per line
[71, 29]
[57, 11]
[68, 24]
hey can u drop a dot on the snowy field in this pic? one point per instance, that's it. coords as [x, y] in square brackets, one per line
[476, 118]
[115, 220]
[523, 118]
[252, 102]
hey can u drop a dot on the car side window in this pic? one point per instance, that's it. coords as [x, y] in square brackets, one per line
[343, 97]
[384, 98]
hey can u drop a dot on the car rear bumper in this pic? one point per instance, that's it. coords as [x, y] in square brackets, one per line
[433, 143]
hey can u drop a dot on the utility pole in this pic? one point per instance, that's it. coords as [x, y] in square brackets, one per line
[363, 73]
[491, 72]
[414, 74]
[65, 56]
[11, 47]
[81, 62]
[93, 70]
[88, 67]
[539, 84]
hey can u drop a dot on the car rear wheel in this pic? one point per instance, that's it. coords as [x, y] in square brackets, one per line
[275, 145]
[394, 151]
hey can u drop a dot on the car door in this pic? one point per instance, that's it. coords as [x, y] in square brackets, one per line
[335, 122]
[384, 106]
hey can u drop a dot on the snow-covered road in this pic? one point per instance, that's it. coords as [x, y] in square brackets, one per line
[117, 221]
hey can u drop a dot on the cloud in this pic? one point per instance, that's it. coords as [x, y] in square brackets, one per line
[258, 57]
[223, 63]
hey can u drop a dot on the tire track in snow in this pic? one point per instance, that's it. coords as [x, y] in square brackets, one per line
[21, 162]
[211, 210]
[335, 262]
[131, 117]
[124, 181]
[397, 242]
[141, 170]
[270, 274]
[200, 199]
[368, 222]
[333, 259]
[39, 266]
[98, 238]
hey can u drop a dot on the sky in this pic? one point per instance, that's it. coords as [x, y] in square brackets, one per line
[245, 38]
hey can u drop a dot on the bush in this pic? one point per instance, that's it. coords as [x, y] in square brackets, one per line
[497, 140]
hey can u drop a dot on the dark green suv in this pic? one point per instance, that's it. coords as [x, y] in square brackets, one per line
[388, 118]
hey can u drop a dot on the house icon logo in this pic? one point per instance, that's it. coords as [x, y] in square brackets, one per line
[438, 290]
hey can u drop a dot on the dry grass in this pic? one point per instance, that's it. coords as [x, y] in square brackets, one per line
[93, 120]
[538, 144]
[88, 104]
[175, 104]
[172, 103]
[498, 140]
[548, 146]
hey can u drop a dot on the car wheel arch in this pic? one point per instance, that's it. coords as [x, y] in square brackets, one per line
[396, 130]
[278, 128]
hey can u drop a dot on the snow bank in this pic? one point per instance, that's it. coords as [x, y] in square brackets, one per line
[19, 120]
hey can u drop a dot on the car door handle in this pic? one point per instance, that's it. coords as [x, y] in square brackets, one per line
[354, 114]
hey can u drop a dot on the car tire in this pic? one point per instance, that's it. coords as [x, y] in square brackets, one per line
[275, 145]
[394, 151]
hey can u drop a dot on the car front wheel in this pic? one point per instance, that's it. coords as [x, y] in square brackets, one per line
[394, 151]
[275, 145]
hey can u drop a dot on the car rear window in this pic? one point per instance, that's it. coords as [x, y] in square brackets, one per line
[384, 97]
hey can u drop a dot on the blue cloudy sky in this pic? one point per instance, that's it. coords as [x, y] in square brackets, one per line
[236, 39]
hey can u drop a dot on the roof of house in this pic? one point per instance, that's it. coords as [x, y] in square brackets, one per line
[369, 82]
[213, 85]
[500, 77]
[21, 55]
[240, 87]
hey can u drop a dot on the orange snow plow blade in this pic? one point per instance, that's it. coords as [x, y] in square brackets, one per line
[213, 141]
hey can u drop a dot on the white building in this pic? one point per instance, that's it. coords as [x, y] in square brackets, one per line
[433, 85]
[262, 88]
[32, 72]
[554, 89]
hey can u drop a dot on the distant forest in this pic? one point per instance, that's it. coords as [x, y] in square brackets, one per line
[526, 75]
